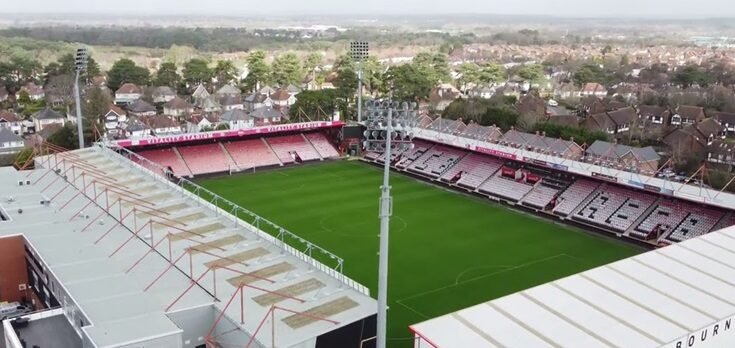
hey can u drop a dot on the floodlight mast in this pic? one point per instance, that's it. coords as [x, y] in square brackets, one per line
[381, 135]
[80, 65]
[359, 50]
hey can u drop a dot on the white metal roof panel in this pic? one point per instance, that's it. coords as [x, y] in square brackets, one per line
[502, 329]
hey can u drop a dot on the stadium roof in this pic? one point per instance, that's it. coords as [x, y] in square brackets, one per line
[124, 286]
[658, 298]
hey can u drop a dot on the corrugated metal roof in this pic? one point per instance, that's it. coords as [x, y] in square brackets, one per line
[653, 299]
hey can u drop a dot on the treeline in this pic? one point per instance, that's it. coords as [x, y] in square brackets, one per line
[226, 39]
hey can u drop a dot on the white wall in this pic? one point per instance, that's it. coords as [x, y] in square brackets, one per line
[195, 322]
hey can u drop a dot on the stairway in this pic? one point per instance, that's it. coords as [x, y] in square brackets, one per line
[312, 146]
[233, 164]
[272, 151]
[181, 158]
[643, 216]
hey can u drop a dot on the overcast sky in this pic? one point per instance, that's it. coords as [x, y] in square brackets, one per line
[566, 8]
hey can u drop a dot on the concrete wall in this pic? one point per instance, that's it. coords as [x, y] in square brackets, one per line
[13, 271]
[195, 322]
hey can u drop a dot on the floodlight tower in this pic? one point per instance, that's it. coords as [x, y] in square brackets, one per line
[388, 129]
[359, 51]
[80, 65]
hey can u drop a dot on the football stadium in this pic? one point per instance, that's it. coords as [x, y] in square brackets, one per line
[268, 237]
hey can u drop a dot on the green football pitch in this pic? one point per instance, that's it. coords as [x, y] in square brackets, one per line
[448, 250]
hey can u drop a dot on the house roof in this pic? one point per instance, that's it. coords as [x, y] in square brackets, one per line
[725, 117]
[200, 92]
[256, 98]
[235, 115]
[99, 80]
[178, 103]
[160, 121]
[49, 130]
[47, 114]
[281, 95]
[265, 112]
[163, 91]
[129, 88]
[600, 121]
[690, 112]
[136, 125]
[6, 136]
[609, 150]
[710, 127]
[648, 111]
[593, 87]
[293, 89]
[231, 100]
[209, 103]
[623, 116]
[141, 106]
[33, 89]
[9, 116]
[116, 109]
[228, 89]
[267, 90]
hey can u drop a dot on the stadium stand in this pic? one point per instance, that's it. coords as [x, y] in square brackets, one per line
[409, 156]
[540, 196]
[608, 200]
[477, 169]
[631, 211]
[574, 196]
[698, 222]
[505, 188]
[167, 158]
[322, 145]
[664, 218]
[285, 146]
[205, 159]
[251, 153]
[436, 161]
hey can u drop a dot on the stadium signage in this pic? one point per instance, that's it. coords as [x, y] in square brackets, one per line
[604, 177]
[180, 138]
[496, 153]
[719, 334]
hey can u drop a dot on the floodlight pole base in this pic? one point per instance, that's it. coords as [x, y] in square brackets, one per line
[385, 213]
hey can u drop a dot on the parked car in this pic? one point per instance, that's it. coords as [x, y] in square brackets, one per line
[553, 102]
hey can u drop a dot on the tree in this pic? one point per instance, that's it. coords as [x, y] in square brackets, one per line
[24, 69]
[491, 73]
[531, 72]
[197, 71]
[624, 60]
[346, 83]
[690, 75]
[606, 50]
[470, 74]
[434, 66]
[313, 61]
[60, 87]
[225, 72]
[168, 75]
[94, 108]
[589, 73]
[24, 98]
[259, 72]
[287, 70]
[65, 137]
[125, 71]
[409, 82]
[316, 103]
[222, 126]
[67, 65]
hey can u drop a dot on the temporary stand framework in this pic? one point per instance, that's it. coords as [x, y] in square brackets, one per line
[110, 197]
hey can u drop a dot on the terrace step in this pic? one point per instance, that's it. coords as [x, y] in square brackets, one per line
[230, 159]
[312, 146]
[272, 151]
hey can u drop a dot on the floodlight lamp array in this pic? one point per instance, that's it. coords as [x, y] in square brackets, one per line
[392, 119]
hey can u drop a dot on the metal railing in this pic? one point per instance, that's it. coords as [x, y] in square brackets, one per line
[308, 252]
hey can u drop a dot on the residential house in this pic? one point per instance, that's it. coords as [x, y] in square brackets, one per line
[198, 123]
[626, 91]
[531, 108]
[113, 118]
[327, 85]
[591, 105]
[599, 122]
[692, 140]
[200, 94]
[540, 143]
[45, 117]
[232, 102]
[566, 91]
[612, 104]
[310, 83]
[10, 120]
[686, 115]
[654, 114]
[37, 139]
[34, 91]
[593, 89]
[635, 159]
[4, 94]
[484, 92]
[9, 141]
[134, 128]
[727, 120]
[127, 94]
[177, 107]
[209, 105]
[293, 90]
[228, 90]
[238, 119]
[441, 96]
[257, 101]
[162, 125]
[141, 108]
[625, 119]
[282, 98]
[163, 94]
[99, 81]
[508, 90]
[266, 116]
[266, 90]
[721, 152]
